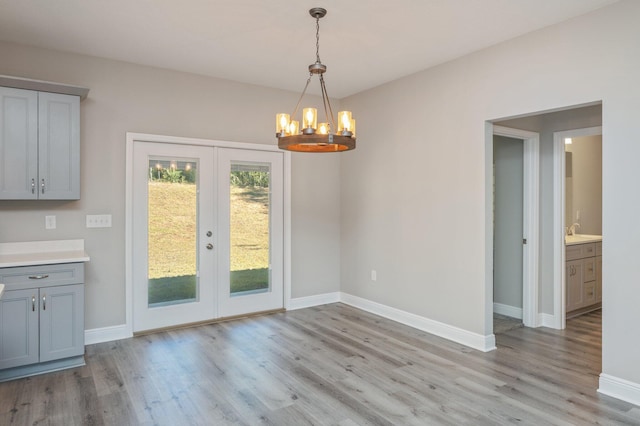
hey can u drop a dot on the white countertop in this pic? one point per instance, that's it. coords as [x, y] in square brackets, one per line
[42, 253]
[570, 240]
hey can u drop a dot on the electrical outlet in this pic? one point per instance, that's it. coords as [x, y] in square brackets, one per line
[98, 221]
[50, 222]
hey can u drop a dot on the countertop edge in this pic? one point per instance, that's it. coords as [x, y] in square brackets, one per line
[594, 239]
[36, 259]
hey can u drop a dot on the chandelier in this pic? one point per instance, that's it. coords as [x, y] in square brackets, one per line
[313, 136]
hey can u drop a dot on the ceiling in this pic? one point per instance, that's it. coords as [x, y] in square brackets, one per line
[364, 43]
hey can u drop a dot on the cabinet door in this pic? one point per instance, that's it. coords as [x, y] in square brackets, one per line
[18, 144]
[19, 328]
[575, 280]
[61, 322]
[589, 289]
[58, 146]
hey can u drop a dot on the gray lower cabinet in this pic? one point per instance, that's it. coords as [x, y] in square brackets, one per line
[41, 323]
[583, 278]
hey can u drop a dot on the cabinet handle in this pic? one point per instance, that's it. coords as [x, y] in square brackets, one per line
[33, 186]
[38, 277]
[44, 302]
[42, 186]
[33, 303]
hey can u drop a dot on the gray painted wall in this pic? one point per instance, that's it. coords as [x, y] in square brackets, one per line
[507, 244]
[131, 98]
[413, 197]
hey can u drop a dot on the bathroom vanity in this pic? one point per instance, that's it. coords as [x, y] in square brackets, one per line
[583, 273]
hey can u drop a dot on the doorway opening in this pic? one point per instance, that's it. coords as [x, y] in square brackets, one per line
[577, 281]
[515, 196]
[550, 206]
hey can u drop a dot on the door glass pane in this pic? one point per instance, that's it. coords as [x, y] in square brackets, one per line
[172, 222]
[249, 228]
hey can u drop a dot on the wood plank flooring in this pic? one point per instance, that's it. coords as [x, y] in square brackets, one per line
[503, 323]
[329, 365]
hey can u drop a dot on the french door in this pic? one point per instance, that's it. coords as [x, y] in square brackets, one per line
[207, 233]
[251, 228]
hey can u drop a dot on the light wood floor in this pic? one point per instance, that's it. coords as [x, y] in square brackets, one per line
[327, 365]
[503, 323]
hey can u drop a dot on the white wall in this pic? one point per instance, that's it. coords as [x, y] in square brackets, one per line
[413, 201]
[130, 98]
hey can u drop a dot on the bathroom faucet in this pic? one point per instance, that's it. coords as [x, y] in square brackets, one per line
[571, 230]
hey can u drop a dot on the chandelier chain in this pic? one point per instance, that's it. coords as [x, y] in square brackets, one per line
[318, 39]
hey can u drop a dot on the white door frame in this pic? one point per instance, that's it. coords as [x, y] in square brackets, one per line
[559, 194]
[131, 138]
[530, 221]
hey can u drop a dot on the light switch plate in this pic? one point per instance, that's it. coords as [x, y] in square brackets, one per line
[98, 221]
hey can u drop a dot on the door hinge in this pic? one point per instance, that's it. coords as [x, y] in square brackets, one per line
[524, 241]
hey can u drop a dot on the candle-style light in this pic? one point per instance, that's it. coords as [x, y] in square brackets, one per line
[314, 137]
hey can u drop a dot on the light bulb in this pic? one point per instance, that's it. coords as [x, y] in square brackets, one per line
[282, 123]
[294, 127]
[323, 128]
[309, 118]
[344, 121]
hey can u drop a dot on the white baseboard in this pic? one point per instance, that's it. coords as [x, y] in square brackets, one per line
[455, 334]
[315, 300]
[510, 311]
[117, 332]
[547, 320]
[467, 338]
[620, 389]
[107, 334]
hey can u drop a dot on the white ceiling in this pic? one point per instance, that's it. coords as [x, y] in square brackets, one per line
[364, 43]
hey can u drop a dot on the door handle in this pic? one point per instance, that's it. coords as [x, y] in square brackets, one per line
[44, 302]
[33, 303]
[42, 186]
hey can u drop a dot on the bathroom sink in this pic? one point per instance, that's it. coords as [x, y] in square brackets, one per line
[581, 238]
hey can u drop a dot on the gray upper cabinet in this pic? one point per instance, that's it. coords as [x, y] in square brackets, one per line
[39, 145]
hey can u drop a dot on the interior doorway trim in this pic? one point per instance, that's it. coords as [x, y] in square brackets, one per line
[131, 138]
[530, 221]
[559, 194]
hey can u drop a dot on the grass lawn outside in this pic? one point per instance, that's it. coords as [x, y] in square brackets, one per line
[183, 288]
[172, 240]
